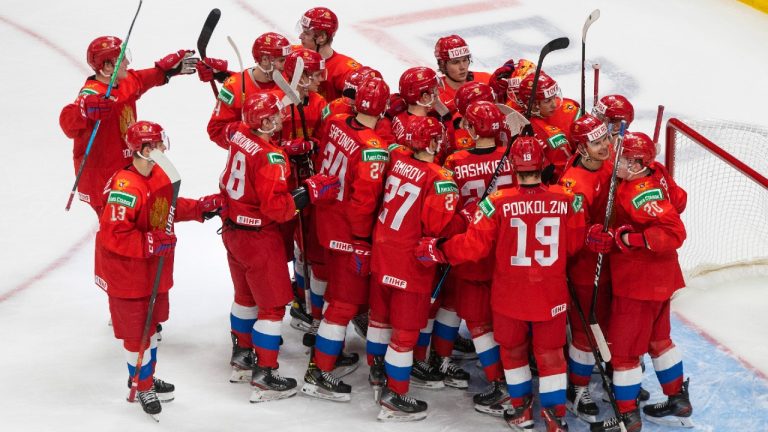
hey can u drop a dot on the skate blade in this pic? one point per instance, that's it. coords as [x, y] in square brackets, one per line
[165, 397]
[387, 415]
[300, 325]
[461, 355]
[584, 417]
[523, 427]
[240, 376]
[493, 410]
[377, 392]
[155, 417]
[260, 395]
[317, 392]
[671, 421]
[457, 384]
[342, 371]
[430, 385]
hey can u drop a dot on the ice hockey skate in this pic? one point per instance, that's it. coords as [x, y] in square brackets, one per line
[424, 375]
[268, 385]
[579, 402]
[377, 377]
[463, 349]
[346, 363]
[453, 375]
[401, 408]
[520, 418]
[631, 420]
[324, 385]
[675, 411]
[242, 362]
[164, 390]
[150, 404]
[360, 323]
[494, 400]
[300, 319]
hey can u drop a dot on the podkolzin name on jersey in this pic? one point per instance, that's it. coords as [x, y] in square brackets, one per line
[520, 208]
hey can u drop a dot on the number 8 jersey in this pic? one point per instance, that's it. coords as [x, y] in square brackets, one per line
[358, 157]
[419, 200]
[534, 229]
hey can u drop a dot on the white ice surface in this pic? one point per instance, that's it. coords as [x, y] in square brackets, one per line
[61, 368]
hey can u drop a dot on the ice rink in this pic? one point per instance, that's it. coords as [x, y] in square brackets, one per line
[61, 368]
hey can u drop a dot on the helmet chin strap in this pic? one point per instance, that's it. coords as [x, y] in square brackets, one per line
[266, 72]
[271, 131]
[634, 174]
[428, 104]
[146, 158]
[584, 154]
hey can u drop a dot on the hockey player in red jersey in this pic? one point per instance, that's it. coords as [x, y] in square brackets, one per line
[645, 273]
[548, 106]
[351, 150]
[419, 200]
[131, 239]
[453, 60]
[534, 229]
[465, 95]
[587, 180]
[505, 81]
[258, 199]
[269, 51]
[612, 109]
[312, 77]
[117, 113]
[419, 89]
[468, 289]
[318, 27]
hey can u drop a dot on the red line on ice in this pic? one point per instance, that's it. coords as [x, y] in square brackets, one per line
[66, 256]
[711, 339]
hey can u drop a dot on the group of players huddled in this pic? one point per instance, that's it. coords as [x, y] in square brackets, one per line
[372, 193]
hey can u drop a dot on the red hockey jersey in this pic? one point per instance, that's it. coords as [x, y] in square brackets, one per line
[337, 66]
[534, 229]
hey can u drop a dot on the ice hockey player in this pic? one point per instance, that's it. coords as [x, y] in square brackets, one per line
[539, 227]
[645, 273]
[351, 150]
[318, 27]
[505, 82]
[465, 95]
[612, 109]
[546, 102]
[453, 60]
[467, 290]
[420, 200]
[116, 114]
[258, 198]
[269, 51]
[587, 180]
[419, 89]
[131, 239]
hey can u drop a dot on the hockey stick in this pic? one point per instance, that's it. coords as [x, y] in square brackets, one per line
[112, 80]
[595, 335]
[596, 68]
[514, 120]
[657, 129]
[205, 37]
[556, 44]
[587, 24]
[162, 161]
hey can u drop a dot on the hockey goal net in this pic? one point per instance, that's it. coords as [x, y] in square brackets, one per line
[723, 166]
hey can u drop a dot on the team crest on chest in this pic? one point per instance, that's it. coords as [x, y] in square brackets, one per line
[122, 184]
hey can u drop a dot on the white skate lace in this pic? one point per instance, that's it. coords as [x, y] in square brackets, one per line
[148, 396]
[331, 379]
[583, 395]
[491, 390]
[407, 399]
[661, 405]
[276, 376]
[448, 367]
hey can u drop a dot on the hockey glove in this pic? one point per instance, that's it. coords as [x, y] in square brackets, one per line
[209, 69]
[298, 146]
[469, 210]
[499, 80]
[627, 239]
[159, 243]
[322, 188]
[427, 252]
[396, 105]
[210, 206]
[598, 241]
[96, 107]
[179, 63]
[360, 258]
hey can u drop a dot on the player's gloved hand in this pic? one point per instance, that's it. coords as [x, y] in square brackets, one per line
[210, 206]
[179, 63]
[396, 105]
[159, 243]
[208, 69]
[548, 174]
[598, 241]
[427, 252]
[96, 107]
[468, 212]
[322, 188]
[299, 146]
[627, 239]
[499, 80]
[360, 258]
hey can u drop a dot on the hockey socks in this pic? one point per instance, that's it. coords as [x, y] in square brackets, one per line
[241, 321]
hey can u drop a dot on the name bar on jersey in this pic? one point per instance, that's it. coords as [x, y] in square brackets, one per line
[520, 208]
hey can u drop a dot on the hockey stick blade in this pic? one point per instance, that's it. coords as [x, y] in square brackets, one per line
[297, 71]
[553, 45]
[590, 20]
[602, 345]
[207, 31]
[588, 23]
[292, 95]
[162, 160]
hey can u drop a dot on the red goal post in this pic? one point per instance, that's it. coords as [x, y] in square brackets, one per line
[723, 166]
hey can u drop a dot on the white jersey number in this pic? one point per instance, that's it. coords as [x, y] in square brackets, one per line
[551, 239]
[236, 183]
[335, 164]
[476, 188]
[406, 190]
